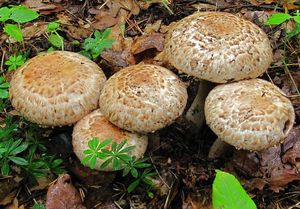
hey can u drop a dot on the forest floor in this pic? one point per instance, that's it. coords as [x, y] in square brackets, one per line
[185, 173]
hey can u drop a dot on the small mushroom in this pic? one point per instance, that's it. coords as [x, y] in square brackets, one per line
[56, 89]
[251, 114]
[143, 98]
[96, 125]
[218, 47]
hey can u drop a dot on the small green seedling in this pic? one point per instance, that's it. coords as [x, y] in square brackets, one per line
[19, 15]
[119, 156]
[93, 47]
[280, 18]
[228, 193]
[54, 38]
[15, 61]
[3, 88]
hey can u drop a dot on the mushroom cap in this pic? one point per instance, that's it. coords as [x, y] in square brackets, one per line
[218, 47]
[252, 114]
[143, 98]
[56, 89]
[96, 125]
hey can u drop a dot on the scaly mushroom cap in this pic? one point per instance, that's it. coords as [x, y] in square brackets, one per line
[252, 114]
[218, 47]
[143, 98]
[55, 89]
[96, 125]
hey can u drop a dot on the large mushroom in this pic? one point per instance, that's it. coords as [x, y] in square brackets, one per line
[56, 89]
[218, 47]
[251, 114]
[143, 98]
[96, 125]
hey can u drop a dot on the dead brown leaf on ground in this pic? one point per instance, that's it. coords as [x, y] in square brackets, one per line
[145, 42]
[63, 195]
[42, 7]
[15, 205]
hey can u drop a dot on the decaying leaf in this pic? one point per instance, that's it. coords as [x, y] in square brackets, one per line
[15, 205]
[144, 42]
[119, 59]
[63, 195]
[274, 167]
[43, 8]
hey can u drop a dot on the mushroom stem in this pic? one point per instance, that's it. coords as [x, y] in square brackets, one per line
[195, 113]
[218, 149]
[154, 141]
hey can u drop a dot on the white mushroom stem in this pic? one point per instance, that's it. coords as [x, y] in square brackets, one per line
[195, 113]
[218, 149]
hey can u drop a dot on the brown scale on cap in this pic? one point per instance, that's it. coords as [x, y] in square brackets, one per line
[218, 47]
[252, 114]
[96, 125]
[57, 88]
[143, 98]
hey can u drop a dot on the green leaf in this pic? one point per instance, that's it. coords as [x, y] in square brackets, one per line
[18, 160]
[229, 194]
[142, 165]
[126, 171]
[3, 94]
[114, 147]
[93, 143]
[121, 145]
[13, 31]
[297, 19]
[93, 162]
[127, 149]
[4, 14]
[5, 168]
[116, 164]
[86, 159]
[19, 149]
[278, 18]
[105, 164]
[105, 143]
[134, 172]
[56, 40]
[53, 26]
[4, 85]
[38, 206]
[106, 33]
[148, 181]
[21, 14]
[133, 185]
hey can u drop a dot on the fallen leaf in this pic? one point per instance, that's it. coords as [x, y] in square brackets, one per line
[34, 30]
[119, 59]
[43, 8]
[78, 32]
[63, 195]
[144, 42]
[14, 205]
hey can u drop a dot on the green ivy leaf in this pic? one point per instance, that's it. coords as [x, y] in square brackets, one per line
[229, 194]
[13, 31]
[278, 18]
[21, 14]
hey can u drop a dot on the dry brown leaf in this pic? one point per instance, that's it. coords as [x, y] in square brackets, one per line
[119, 59]
[129, 5]
[14, 205]
[63, 195]
[43, 8]
[8, 199]
[196, 202]
[34, 30]
[104, 19]
[78, 32]
[152, 28]
[145, 42]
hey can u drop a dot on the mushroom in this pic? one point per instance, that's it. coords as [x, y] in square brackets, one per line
[251, 114]
[96, 125]
[218, 47]
[56, 89]
[143, 98]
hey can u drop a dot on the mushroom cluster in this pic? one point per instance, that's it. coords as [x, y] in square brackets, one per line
[137, 100]
[222, 48]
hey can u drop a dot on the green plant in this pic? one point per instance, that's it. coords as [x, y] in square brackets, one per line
[54, 38]
[18, 14]
[93, 47]
[15, 61]
[228, 193]
[39, 206]
[118, 155]
[280, 18]
[3, 88]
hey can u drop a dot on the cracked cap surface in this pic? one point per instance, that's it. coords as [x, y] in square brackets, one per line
[143, 98]
[218, 47]
[252, 114]
[56, 89]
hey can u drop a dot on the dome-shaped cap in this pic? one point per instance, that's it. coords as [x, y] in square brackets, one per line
[252, 114]
[96, 125]
[143, 98]
[218, 47]
[55, 89]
